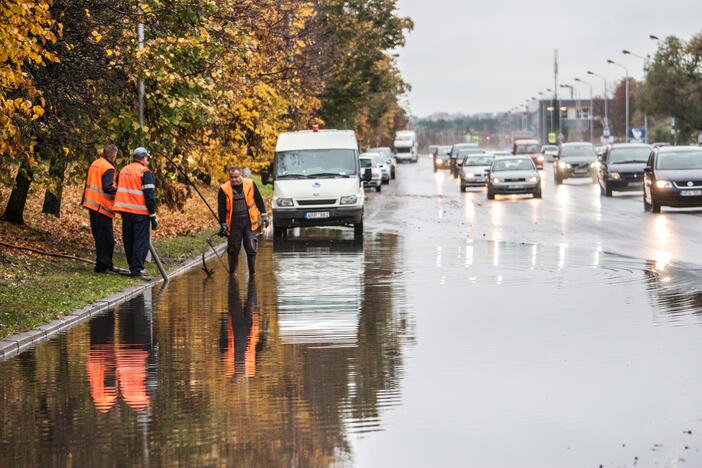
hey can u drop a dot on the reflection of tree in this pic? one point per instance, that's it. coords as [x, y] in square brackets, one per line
[288, 404]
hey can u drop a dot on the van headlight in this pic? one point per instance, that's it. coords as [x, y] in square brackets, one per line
[284, 202]
[348, 200]
[664, 184]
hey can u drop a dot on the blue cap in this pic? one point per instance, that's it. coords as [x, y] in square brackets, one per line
[140, 153]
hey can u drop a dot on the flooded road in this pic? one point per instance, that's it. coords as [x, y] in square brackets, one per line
[459, 332]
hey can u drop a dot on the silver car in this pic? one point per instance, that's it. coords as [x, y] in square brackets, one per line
[380, 162]
[473, 169]
[515, 175]
[389, 158]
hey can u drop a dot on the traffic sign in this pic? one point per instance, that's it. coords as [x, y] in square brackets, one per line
[552, 138]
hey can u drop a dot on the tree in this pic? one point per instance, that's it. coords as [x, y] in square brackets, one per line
[673, 85]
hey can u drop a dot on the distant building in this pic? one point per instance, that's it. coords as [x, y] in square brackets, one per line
[571, 117]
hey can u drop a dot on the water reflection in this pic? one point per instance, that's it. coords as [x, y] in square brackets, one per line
[279, 371]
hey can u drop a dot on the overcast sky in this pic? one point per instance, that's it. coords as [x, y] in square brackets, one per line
[473, 56]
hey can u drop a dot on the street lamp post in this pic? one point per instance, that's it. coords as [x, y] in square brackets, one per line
[550, 107]
[589, 113]
[542, 115]
[645, 70]
[626, 97]
[606, 116]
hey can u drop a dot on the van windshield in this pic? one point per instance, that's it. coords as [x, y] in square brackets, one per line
[315, 163]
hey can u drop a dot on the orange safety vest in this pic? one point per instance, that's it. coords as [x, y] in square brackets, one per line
[130, 192]
[94, 198]
[254, 214]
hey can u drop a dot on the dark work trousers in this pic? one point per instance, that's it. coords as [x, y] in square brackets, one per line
[136, 234]
[241, 233]
[101, 227]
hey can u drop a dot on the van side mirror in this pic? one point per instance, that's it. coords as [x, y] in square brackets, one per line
[367, 174]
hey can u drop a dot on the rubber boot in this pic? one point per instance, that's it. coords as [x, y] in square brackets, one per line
[233, 261]
[251, 260]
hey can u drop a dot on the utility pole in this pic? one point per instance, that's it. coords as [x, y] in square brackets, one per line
[555, 90]
[140, 36]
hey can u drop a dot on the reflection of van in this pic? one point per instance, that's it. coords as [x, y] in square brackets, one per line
[406, 147]
[319, 291]
[317, 181]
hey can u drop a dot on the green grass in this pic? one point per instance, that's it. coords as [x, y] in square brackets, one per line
[30, 299]
[266, 190]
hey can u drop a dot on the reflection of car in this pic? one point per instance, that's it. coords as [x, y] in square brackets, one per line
[529, 148]
[389, 158]
[517, 174]
[673, 177]
[473, 169]
[317, 181]
[574, 160]
[368, 162]
[621, 167]
[380, 162]
[453, 155]
[441, 157]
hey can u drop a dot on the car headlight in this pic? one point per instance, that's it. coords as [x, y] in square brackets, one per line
[593, 164]
[284, 202]
[348, 200]
[563, 164]
[469, 175]
[614, 176]
[438, 161]
[664, 184]
[495, 180]
[533, 179]
[539, 158]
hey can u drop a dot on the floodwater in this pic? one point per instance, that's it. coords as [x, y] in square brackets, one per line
[459, 332]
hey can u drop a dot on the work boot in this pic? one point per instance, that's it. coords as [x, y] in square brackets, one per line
[233, 261]
[251, 260]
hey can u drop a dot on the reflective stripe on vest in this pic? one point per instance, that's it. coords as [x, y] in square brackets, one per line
[130, 196]
[94, 197]
[248, 189]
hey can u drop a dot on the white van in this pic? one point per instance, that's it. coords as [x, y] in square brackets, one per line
[406, 146]
[317, 181]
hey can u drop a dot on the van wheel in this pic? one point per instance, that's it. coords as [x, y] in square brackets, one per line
[358, 229]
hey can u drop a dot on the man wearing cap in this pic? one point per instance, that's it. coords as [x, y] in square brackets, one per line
[241, 212]
[99, 199]
[136, 201]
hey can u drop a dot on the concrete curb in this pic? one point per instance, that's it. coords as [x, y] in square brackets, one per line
[16, 344]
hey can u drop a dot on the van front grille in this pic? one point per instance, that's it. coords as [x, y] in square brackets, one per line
[325, 201]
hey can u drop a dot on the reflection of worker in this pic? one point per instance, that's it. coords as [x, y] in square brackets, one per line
[99, 198]
[133, 355]
[136, 200]
[239, 332]
[241, 210]
[101, 363]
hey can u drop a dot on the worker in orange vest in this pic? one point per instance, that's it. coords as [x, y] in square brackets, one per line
[241, 214]
[136, 202]
[99, 199]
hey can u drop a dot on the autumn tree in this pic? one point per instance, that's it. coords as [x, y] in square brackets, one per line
[673, 85]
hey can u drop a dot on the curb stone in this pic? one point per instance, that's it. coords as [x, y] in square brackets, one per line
[20, 342]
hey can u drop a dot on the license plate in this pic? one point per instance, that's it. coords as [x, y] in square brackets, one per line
[580, 171]
[514, 187]
[691, 193]
[635, 184]
[317, 215]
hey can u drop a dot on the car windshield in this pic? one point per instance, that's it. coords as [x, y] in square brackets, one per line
[468, 148]
[679, 160]
[574, 151]
[512, 165]
[366, 162]
[527, 149]
[444, 150]
[313, 163]
[629, 155]
[479, 160]
[467, 152]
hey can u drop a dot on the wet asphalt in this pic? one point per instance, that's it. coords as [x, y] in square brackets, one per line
[458, 332]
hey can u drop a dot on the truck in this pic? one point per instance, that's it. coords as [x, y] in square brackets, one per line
[317, 181]
[406, 146]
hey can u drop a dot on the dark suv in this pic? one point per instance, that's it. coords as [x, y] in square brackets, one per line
[574, 160]
[673, 177]
[621, 167]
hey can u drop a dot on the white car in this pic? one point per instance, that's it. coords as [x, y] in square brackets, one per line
[368, 161]
[317, 181]
[380, 162]
[389, 158]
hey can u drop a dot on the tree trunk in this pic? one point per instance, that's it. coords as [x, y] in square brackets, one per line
[54, 190]
[14, 212]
